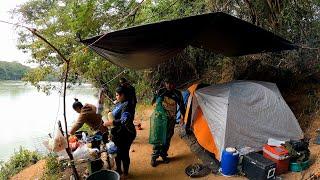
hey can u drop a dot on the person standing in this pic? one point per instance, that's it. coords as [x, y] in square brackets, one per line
[170, 98]
[123, 131]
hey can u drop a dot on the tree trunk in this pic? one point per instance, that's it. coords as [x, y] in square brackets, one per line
[74, 170]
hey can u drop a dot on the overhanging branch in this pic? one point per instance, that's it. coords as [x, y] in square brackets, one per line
[67, 62]
[34, 32]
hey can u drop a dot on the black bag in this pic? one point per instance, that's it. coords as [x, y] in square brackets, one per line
[299, 150]
[116, 133]
[300, 145]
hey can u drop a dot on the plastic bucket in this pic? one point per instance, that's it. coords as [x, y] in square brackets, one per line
[298, 167]
[95, 166]
[104, 174]
[229, 162]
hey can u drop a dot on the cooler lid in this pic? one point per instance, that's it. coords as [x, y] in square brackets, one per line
[276, 150]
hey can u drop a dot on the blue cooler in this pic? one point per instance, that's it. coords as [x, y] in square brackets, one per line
[229, 162]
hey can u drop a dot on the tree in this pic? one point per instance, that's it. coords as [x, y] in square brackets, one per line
[61, 20]
[12, 70]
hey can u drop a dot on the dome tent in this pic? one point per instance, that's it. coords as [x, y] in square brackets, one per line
[239, 114]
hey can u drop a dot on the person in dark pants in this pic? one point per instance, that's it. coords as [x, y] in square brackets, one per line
[171, 98]
[123, 133]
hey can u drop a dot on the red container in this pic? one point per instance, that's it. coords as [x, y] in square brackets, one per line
[279, 155]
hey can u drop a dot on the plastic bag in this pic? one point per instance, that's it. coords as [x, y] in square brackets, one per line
[158, 124]
[84, 137]
[59, 142]
[82, 152]
[111, 148]
[73, 143]
[56, 144]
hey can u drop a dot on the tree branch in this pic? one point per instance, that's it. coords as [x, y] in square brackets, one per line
[253, 13]
[224, 7]
[273, 14]
[67, 62]
[34, 32]
[132, 13]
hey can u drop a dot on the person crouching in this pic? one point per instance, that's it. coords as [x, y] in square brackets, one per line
[87, 115]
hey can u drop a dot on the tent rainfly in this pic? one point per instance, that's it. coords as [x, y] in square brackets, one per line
[148, 45]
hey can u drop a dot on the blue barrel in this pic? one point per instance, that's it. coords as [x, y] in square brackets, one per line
[229, 162]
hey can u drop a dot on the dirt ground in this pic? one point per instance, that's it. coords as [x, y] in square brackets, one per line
[180, 156]
[33, 172]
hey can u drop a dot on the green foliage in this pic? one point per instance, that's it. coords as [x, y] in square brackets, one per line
[52, 168]
[12, 70]
[37, 74]
[17, 162]
[87, 129]
[61, 21]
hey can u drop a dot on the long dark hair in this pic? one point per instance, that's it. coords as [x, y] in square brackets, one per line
[121, 91]
[77, 104]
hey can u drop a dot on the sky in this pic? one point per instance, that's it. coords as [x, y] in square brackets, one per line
[8, 34]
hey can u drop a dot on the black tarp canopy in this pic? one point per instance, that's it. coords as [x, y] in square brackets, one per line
[148, 45]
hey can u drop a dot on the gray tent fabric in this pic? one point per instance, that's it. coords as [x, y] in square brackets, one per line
[247, 113]
[148, 45]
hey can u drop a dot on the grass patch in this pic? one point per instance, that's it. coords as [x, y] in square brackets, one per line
[17, 162]
[53, 168]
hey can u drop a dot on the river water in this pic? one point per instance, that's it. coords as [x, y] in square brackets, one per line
[28, 116]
